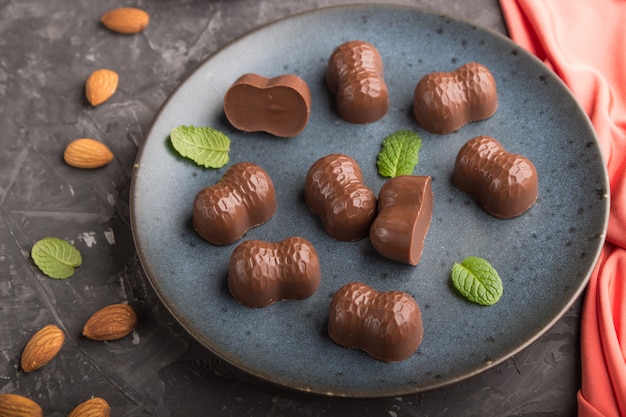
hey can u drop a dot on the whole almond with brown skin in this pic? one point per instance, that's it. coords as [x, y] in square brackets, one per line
[126, 20]
[42, 347]
[87, 153]
[93, 407]
[110, 323]
[15, 405]
[101, 85]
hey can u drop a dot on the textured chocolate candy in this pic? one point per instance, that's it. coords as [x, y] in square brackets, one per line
[334, 190]
[386, 325]
[279, 106]
[405, 207]
[504, 184]
[443, 102]
[243, 198]
[355, 76]
[261, 273]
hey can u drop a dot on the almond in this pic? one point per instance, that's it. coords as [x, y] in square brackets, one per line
[110, 323]
[42, 347]
[94, 407]
[126, 20]
[101, 85]
[15, 405]
[87, 153]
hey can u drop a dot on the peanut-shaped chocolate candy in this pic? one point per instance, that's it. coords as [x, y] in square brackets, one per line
[261, 273]
[334, 190]
[504, 184]
[243, 198]
[279, 106]
[405, 208]
[386, 325]
[355, 77]
[443, 102]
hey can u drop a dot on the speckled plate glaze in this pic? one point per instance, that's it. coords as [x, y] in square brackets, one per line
[544, 256]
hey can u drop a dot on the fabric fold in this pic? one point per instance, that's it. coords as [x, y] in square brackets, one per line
[584, 43]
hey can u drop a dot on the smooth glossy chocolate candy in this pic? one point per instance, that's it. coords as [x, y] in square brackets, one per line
[280, 105]
[405, 208]
[504, 184]
[386, 325]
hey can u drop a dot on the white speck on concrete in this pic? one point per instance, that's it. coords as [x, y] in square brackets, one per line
[89, 238]
[109, 235]
[136, 338]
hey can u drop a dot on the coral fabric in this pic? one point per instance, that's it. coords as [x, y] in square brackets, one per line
[584, 43]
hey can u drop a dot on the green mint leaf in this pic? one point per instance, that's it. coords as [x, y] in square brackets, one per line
[55, 257]
[399, 154]
[203, 145]
[477, 280]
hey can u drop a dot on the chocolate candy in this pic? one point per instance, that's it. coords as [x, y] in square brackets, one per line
[504, 184]
[243, 198]
[334, 190]
[279, 106]
[405, 207]
[261, 273]
[355, 77]
[443, 102]
[386, 325]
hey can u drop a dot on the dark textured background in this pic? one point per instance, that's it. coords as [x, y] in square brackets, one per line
[47, 49]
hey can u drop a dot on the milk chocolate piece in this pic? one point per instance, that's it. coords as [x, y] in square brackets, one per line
[243, 198]
[334, 190]
[445, 101]
[386, 325]
[405, 207]
[279, 106]
[261, 273]
[504, 184]
[355, 77]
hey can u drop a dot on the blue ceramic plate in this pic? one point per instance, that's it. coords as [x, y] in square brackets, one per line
[544, 256]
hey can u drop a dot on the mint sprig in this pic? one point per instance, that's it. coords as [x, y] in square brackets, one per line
[55, 257]
[399, 154]
[205, 146]
[477, 280]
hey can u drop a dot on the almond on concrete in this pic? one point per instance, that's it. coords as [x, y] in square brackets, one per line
[101, 85]
[87, 153]
[93, 407]
[15, 405]
[42, 347]
[110, 323]
[126, 20]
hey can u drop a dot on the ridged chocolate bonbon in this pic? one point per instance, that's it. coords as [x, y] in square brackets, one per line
[334, 190]
[355, 76]
[280, 105]
[504, 184]
[243, 198]
[261, 273]
[405, 207]
[443, 102]
[386, 325]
